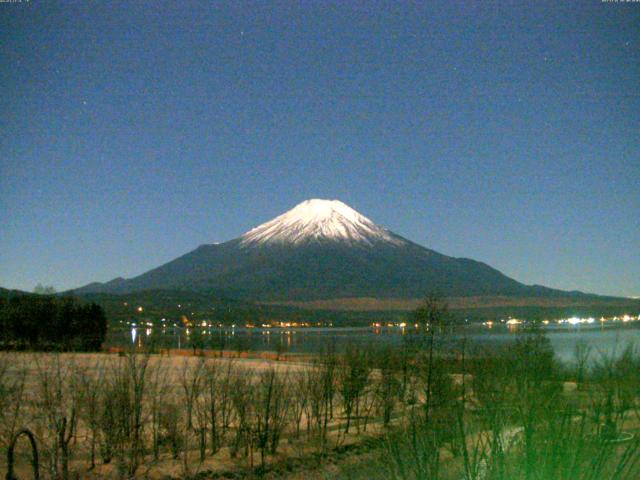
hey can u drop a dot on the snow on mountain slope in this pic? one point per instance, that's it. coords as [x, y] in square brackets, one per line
[319, 220]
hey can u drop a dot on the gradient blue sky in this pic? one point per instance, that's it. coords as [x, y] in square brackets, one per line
[506, 132]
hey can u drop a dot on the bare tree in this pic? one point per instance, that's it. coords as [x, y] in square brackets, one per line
[226, 404]
[91, 385]
[59, 398]
[353, 375]
[268, 398]
[12, 385]
[299, 399]
[582, 352]
[123, 412]
[388, 389]
[430, 316]
[192, 379]
[158, 392]
[212, 384]
[322, 388]
[169, 427]
[241, 393]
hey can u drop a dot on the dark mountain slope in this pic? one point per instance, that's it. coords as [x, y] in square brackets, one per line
[318, 250]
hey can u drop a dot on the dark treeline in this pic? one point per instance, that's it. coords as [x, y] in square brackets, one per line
[213, 307]
[173, 305]
[50, 323]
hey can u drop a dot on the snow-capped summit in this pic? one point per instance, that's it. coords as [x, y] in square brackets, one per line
[319, 220]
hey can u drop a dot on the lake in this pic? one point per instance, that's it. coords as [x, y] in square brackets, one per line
[603, 339]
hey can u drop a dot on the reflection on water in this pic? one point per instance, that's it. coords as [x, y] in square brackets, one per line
[602, 339]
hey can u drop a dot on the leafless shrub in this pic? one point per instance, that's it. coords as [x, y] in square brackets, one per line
[388, 387]
[271, 403]
[158, 392]
[12, 386]
[241, 393]
[353, 375]
[321, 379]
[123, 418]
[299, 399]
[191, 382]
[217, 406]
[614, 389]
[59, 398]
[582, 353]
[170, 431]
[90, 383]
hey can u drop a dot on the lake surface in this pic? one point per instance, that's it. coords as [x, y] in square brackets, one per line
[603, 339]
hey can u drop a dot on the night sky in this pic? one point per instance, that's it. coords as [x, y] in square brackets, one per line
[132, 132]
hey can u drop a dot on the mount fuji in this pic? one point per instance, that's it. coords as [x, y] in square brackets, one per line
[319, 250]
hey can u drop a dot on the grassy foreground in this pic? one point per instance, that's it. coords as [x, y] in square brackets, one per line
[409, 413]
